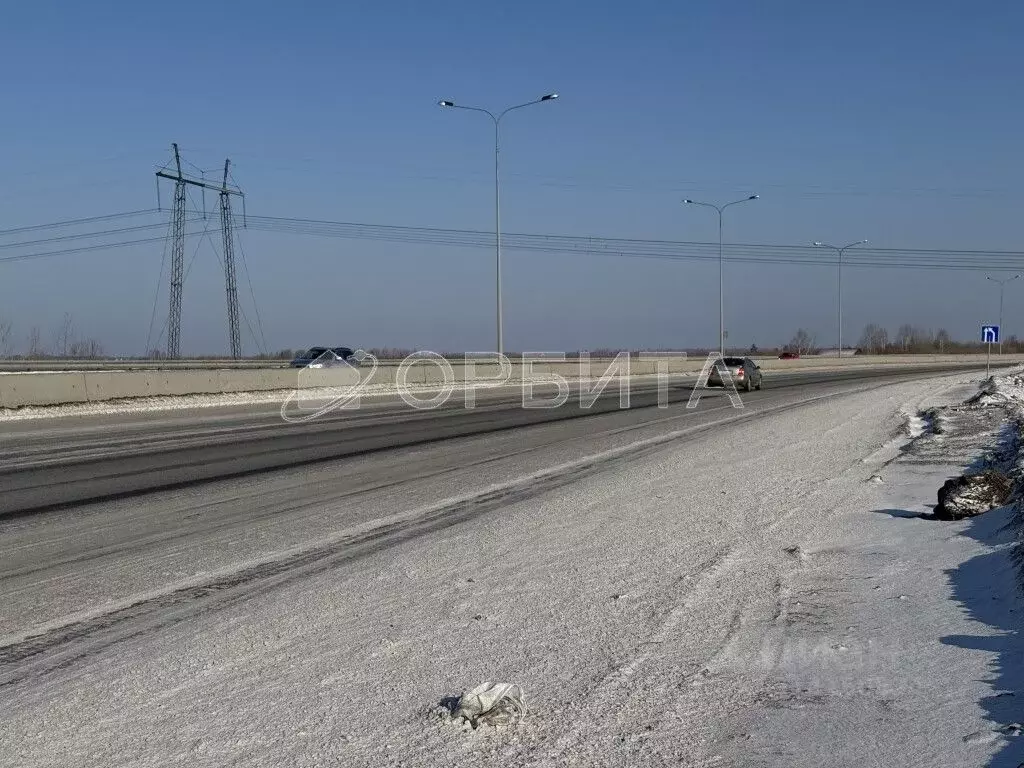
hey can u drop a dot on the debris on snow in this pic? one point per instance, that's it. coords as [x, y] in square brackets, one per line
[487, 704]
[795, 551]
[970, 495]
[997, 391]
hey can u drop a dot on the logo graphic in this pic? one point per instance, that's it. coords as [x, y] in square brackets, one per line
[722, 375]
[427, 380]
[327, 384]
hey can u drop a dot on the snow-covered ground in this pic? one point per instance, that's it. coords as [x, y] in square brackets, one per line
[764, 596]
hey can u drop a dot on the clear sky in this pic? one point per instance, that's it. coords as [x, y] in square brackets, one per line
[895, 122]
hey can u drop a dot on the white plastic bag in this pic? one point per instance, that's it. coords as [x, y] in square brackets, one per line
[491, 704]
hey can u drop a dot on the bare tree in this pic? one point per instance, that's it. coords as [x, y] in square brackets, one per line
[802, 342]
[942, 340]
[35, 346]
[6, 348]
[85, 349]
[63, 336]
[904, 337]
[874, 339]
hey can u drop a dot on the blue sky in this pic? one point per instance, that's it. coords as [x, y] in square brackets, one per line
[898, 123]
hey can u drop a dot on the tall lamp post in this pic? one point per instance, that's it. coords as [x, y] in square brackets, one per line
[497, 195]
[721, 288]
[839, 288]
[1002, 284]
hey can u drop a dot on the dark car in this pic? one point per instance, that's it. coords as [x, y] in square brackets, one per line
[324, 356]
[789, 356]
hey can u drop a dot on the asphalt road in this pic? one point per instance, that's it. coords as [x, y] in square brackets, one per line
[53, 464]
[115, 526]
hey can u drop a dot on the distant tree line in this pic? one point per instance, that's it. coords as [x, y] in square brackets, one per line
[909, 339]
[912, 339]
[65, 342]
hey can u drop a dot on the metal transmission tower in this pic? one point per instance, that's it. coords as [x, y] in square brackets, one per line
[177, 261]
[181, 181]
[229, 264]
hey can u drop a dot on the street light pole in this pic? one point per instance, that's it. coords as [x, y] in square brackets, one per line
[497, 194]
[1002, 284]
[839, 289]
[721, 271]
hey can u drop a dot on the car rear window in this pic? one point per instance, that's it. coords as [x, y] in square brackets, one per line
[733, 360]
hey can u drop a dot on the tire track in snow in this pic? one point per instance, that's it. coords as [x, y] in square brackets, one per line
[61, 644]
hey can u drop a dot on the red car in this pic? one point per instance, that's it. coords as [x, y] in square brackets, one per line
[789, 356]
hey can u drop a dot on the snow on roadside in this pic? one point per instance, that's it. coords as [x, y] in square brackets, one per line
[1007, 390]
[655, 614]
[900, 637]
[916, 426]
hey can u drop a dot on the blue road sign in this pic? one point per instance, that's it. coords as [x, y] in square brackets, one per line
[990, 334]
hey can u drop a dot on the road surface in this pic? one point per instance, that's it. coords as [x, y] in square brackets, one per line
[118, 534]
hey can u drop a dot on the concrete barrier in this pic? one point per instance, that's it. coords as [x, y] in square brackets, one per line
[18, 389]
[66, 387]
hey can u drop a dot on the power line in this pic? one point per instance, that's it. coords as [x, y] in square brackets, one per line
[84, 235]
[640, 248]
[76, 222]
[252, 293]
[87, 248]
[667, 250]
[159, 282]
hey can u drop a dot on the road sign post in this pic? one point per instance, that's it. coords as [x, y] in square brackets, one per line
[990, 336]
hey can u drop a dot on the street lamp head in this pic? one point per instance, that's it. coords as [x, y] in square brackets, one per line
[753, 197]
[687, 202]
[549, 97]
[444, 103]
[819, 244]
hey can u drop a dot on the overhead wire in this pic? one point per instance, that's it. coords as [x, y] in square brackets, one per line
[635, 248]
[159, 283]
[252, 293]
[645, 248]
[76, 222]
[83, 235]
[86, 248]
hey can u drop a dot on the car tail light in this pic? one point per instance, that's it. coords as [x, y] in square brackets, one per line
[739, 373]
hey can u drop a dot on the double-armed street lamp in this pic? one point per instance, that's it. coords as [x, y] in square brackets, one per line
[497, 195]
[721, 288]
[839, 291]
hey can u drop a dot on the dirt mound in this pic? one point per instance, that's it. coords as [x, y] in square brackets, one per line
[970, 495]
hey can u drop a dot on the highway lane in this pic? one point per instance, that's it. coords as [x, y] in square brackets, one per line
[207, 540]
[57, 463]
